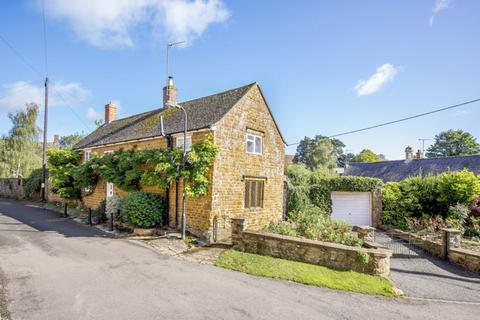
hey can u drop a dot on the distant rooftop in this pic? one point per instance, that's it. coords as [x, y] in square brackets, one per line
[400, 169]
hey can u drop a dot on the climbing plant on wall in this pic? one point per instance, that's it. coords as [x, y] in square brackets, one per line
[130, 169]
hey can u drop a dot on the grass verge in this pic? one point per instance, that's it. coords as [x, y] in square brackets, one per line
[305, 273]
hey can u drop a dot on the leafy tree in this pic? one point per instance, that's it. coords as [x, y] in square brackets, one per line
[19, 149]
[320, 151]
[67, 142]
[367, 155]
[453, 143]
[62, 169]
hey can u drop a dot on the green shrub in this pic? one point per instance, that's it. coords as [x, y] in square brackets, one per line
[316, 225]
[429, 196]
[458, 187]
[363, 257]
[33, 183]
[113, 206]
[142, 209]
[298, 183]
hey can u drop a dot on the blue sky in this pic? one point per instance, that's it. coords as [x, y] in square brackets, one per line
[325, 66]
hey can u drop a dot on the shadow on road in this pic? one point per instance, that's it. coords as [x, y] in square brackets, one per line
[43, 220]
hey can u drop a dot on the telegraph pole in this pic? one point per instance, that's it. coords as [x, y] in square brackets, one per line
[44, 150]
[423, 143]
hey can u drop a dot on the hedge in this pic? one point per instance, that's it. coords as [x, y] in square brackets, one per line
[313, 188]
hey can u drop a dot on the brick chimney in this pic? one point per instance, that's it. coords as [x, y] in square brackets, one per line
[56, 139]
[420, 154]
[408, 153]
[110, 112]
[169, 93]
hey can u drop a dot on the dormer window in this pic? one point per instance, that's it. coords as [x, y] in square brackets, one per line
[254, 143]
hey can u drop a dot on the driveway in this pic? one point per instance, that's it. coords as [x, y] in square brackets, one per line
[57, 269]
[420, 275]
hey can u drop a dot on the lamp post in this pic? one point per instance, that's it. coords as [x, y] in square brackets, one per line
[184, 161]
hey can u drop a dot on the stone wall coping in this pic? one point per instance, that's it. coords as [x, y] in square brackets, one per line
[451, 230]
[316, 243]
[465, 252]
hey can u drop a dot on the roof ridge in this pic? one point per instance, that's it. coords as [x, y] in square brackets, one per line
[221, 92]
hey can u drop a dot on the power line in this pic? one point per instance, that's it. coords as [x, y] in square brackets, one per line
[71, 109]
[45, 38]
[399, 120]
[21, 57]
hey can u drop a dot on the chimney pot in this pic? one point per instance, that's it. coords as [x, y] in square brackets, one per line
[169, 93]
[110, 112]
[419, 154]
[408, 153]
[56, 139]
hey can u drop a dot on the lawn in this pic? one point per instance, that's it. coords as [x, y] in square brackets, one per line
[305, 273]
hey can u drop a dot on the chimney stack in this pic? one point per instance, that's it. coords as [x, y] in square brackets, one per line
[110, 112]
[420, 154]
[56, 140]
[408, 153]
[169, 93]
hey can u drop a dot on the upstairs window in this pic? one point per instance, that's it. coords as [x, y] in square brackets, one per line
[254, 143]
[253, 193]
[179, 142]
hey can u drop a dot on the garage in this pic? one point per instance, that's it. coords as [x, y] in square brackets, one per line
[353, 207]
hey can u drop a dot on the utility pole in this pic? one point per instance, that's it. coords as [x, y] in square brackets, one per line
[44, 150]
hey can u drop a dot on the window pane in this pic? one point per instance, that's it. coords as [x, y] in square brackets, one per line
[252, 194]
[260, 194]
[250, 147]
[258, 144]
[247, 194]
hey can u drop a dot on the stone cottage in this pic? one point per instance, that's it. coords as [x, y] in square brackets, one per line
[246, 178]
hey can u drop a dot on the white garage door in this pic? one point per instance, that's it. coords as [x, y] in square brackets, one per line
[353, 207]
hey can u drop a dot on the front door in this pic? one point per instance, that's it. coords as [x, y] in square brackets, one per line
[109, 189]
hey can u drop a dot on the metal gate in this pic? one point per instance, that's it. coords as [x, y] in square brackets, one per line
[401, 248]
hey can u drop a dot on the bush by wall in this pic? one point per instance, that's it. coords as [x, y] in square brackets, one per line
[428, 196]
[142, 209]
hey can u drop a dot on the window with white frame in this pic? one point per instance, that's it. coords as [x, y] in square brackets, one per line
[254, 143]
[87, 154]
[179, 142]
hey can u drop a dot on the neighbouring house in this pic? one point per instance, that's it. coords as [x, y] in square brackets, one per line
[247, 176]
[289, 159]
[413, 165]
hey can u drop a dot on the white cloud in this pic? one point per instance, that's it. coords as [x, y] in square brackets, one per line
[111, 23]
[93, 115]
[17, 94]
[384, 74]
[440, 5]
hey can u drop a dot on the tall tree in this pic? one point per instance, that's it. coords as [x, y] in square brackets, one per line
[67, 142]
[367, 155]
[19, 150]
[453, 143]
[320, 152]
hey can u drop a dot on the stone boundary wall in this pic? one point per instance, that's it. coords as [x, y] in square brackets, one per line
[12, 188]
[448, 248]
[316, 252]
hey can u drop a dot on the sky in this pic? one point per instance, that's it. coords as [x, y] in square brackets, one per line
[325, 67]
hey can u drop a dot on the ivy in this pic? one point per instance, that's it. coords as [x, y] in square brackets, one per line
[130, 169]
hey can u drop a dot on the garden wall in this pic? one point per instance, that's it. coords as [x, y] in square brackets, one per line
[316, 252]
[12, 188]
[444, 248]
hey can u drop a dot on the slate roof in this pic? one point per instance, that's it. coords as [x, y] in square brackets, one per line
[400, 169]
[202, 113]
